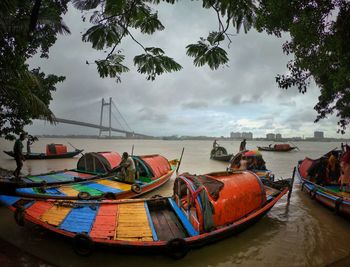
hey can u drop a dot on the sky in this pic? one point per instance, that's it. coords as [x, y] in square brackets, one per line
[241, 96]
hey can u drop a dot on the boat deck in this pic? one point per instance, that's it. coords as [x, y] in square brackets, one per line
[166, 224]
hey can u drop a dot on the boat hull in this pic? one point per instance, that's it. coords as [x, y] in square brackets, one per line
[140, 224]
[271, 149]
[335, 202]
[45, 156]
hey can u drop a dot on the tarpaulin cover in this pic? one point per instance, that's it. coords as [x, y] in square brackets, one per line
[55, 149]
[158, 164]
[282, 146]
[304, 167]
[99, 162]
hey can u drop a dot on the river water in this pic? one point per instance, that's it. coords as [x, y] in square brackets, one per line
[303, 233]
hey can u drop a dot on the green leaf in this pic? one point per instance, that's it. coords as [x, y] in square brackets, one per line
[111, 66]
[154, 63]
[86, 4]
[203, 54]
[103, 35]
[148, 23]
[215, 37]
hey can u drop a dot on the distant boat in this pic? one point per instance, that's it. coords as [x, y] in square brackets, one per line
[202, 210]
[327, 194]
[220, 153]
[278, 148]
[53, 151]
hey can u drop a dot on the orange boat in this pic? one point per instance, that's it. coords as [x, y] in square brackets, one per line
[203, 209]
[152, 171]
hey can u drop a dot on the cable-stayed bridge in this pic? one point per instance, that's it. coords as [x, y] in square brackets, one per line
[128, 131]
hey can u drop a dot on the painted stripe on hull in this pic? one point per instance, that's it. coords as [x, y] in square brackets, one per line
[105, 222]
[79, 220]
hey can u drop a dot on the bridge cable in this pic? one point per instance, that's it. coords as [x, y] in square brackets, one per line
[121, 116]
[116, 119]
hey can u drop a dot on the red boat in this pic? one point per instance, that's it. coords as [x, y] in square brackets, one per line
[53, 151]
[325, 192]
[277, 148]
[203, 209]
[152, 171]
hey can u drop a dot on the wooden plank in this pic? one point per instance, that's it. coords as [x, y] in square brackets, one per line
[38, 208]
[161, 226]
[115, 184]
[175, 225]
[68, 191]
[55, 215]
[105, 221]
[133, 222]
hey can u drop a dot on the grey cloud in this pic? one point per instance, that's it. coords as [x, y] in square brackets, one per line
[195, 105]
[148, 114]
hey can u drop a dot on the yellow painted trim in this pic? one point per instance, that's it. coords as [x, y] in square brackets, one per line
[132, 223]
[55, 215]
[115, 184]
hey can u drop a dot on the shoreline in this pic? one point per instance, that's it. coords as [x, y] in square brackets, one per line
[11, 255]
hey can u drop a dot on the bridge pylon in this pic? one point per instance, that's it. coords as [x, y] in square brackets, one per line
[103, 104]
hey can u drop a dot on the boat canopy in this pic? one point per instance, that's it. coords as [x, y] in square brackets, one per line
[282, 146]
[219, 198]
[55, 149]
[157, 164]
[99, 162]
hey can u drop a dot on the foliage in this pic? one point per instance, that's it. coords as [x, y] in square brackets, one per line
[320, 43]
[26, 28]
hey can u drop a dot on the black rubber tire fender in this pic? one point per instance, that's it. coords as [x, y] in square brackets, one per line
[84, 195]
[136, 188]
[177, 248]
[83, 244]
[19, 216]
[109, 195]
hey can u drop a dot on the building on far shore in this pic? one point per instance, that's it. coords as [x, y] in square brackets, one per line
[238, 135]
[278, 136]
[318, 135]
[247, 135]
[235, 135]
[270, 136]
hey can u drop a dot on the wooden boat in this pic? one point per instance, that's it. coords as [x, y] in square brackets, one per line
[90, 166]
[328, 193]
[53, 151]
[254, 156]
[203, 209]
[277, 148]
[220, 153]
[152, 172]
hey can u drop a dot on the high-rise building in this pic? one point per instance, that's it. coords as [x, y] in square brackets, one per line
[247, 135]
[235, 135]
[279, 136]
[318, 135]
[270, 136]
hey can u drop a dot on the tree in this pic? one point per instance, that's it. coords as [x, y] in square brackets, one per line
[320, 43]
[26, 27]
[319, 32]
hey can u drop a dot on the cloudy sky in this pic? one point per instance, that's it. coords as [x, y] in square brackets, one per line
[241, 96]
